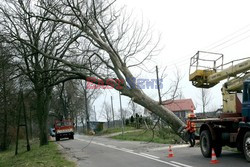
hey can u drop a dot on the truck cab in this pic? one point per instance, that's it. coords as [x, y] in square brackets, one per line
[64, 129]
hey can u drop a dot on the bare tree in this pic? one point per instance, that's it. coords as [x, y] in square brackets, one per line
[171, 93]
[114, 47]
[90, 95]
[25, 35]
[174, 90]
[107, 113]
[205, 97]
[7, 92]
[62, 40]
[133, 107]
[69, 100]
[124, 114]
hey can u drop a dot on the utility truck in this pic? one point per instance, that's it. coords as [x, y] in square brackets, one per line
[64, 128]
[232, 126]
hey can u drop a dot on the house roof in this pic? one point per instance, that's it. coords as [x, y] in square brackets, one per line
[179, 105]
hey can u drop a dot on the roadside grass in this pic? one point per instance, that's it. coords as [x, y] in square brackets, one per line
[147, 136]
[48, 155]
[115, 130]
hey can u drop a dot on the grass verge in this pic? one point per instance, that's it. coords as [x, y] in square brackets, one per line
[115, 130]
[47, 155]
[147, 136]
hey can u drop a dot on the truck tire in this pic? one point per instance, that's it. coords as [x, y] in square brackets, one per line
[206, 143]
[246, 146]
[71, 136]
[57, 138]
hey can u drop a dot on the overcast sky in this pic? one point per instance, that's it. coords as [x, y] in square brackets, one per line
[187, 26]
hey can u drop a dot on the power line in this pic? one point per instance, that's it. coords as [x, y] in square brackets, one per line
[235, 42]
[92, 138]
[227, 36]
[211, 47]
[230, 39]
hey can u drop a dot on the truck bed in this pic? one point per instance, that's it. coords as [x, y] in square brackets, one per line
[229, 119]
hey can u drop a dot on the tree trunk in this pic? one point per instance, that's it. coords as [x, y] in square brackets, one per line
[108, 123]
[4, 146]
[43, 103]
[175, 123]
[30, 123]
[86, 109]
[5, 124]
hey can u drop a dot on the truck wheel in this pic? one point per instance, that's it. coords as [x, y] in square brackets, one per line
[71, 136]
[206, 143]
[57, 138]
[246, 146]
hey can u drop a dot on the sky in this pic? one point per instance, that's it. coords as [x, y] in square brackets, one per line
[188, 26]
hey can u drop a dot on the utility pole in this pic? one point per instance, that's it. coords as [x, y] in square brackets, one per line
[158, 86]
[112, 108]
[121, 113]
[21, 106]
[95, 113]
[86, 107]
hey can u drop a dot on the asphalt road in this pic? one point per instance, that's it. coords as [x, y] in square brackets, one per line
[105, 152]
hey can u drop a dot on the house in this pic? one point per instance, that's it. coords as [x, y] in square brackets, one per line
[180, 107]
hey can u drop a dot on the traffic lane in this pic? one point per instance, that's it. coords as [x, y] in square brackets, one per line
[95, 155]
[183, 154]
[194, 157]
[134, 145]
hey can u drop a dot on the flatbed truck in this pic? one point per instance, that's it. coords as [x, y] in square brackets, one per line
[232, 127]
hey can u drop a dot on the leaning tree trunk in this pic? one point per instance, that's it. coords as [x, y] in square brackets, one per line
[141, 98]
[43, 103]
[138, 96]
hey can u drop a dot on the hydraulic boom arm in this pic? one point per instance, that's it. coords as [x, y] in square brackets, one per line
[205, 77]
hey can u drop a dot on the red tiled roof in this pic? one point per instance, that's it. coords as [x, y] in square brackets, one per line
[179, 105]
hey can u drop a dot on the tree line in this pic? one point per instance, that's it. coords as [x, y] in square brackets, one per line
[51, 44]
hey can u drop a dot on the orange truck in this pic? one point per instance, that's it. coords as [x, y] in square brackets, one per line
[64, 129]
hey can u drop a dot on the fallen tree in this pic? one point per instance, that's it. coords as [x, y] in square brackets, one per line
[113, 45]
[102, 47]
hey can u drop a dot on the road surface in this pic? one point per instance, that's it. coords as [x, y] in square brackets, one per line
[105, 152]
